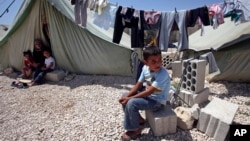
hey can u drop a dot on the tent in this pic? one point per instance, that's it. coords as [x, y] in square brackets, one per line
[77, 49]
[231, 43]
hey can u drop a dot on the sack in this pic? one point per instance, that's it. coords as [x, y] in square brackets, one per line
[73, 2]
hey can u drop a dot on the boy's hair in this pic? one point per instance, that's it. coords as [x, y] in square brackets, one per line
[151, 51]
[47, 50]
[28, 52]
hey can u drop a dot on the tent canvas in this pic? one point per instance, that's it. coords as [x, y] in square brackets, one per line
[76, 49]
[231, 43]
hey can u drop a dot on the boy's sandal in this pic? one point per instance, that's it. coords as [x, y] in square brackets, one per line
[14, 84]
[22, 86]
[130, 135]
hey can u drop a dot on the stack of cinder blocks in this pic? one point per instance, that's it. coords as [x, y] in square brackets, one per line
[162, 122]
[176, 69]
[216, 117]
[193, 80]
[168, 58]
[193, 75]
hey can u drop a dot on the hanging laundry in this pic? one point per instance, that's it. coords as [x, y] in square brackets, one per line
[73, 2]
[201, 12]
[231, 9]
[209, 57]
[238, 10]
[81, 12]
[236, 16]
[92, 4]
[168, 18]
[200, 15]
[125, 17]
[227, 6]
[107, 18]
[151, 24]
[101, 6]
[152, 17]
[215, 12]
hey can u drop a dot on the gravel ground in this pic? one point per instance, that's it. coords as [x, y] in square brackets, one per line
[86, 108]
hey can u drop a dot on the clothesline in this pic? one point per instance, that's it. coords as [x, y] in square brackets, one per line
[127, 17]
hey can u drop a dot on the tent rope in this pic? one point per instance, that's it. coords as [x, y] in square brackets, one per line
[7, 9]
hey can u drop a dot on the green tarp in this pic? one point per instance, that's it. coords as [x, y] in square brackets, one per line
[232, 45]
[76, 49]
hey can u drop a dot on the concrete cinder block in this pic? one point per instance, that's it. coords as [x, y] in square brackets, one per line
[195, 98]
[55, 75]
[193, 75]
[167, 58]
[216, 118]
[176, 69]
[163, 121]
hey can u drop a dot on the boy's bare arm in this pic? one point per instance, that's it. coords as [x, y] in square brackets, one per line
[135, 89]
[147, 92]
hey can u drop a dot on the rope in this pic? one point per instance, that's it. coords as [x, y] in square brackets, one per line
[7, 9]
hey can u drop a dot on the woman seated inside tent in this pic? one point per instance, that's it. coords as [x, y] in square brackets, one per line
[37, 61]
[38, 54]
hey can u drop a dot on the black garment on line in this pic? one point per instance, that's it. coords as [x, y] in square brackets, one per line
[128, 20]
[201, 12]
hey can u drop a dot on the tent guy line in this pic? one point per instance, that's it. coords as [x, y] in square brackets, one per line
[7, 9]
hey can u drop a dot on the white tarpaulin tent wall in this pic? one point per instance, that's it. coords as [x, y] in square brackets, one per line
[76, 49]
[232, 45]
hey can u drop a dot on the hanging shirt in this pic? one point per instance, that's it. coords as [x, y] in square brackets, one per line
[215, 12]
[152, 17]
[107, 18]
[238, 10]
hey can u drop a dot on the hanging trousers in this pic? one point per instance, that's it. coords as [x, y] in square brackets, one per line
[168, 18]
[201, 12]
[81, 12]
[127, 20]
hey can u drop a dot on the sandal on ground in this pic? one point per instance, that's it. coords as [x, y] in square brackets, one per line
[130, 135]
[14, 84]
[23, 86]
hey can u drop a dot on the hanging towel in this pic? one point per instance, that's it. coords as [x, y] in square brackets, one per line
[209, 57]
